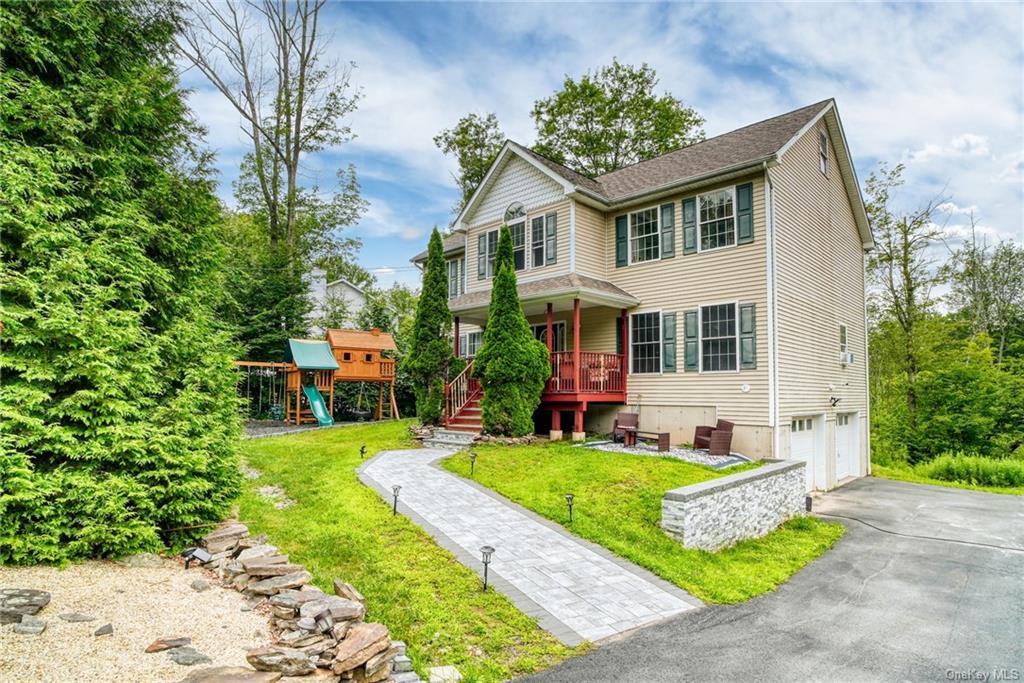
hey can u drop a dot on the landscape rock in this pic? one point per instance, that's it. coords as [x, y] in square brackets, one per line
[299, 639]
[292, 600]
[361, 642]
[225, 538]
[15, 602]
[306, 623]
[289, 661]
[30, 625]
[279, 583]
[257, 551]
[348, 591]
[444, 674]
[340, 609]
[199, 585]
[187, 656]
[105, 630]
[381, 658]
[75, 617]
[264, 570]
[161, 644]
[402, 664]
[231, 674]
[143, 561]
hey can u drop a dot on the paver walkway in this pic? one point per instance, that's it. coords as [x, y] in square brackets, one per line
[575, 589]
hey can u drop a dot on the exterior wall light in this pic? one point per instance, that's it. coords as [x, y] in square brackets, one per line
[568, 500]
[395, 489]
[486, 551]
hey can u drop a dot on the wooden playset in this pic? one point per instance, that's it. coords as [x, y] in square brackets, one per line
[304, 383]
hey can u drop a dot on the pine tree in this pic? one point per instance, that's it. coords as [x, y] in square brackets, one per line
[512, 366]
[430, 359]
[120, 422]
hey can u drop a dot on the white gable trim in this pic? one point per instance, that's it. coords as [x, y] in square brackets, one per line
[499, 162]
[845, 165]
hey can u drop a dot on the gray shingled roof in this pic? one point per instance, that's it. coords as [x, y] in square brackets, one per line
[559, 284]
[452, 244]
[745, 145]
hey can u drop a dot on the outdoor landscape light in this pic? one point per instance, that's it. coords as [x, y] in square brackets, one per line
[807, 502]
[395, 489]
[568, 499]
[472, 462]
[197, 554]
[362, 452]
[486, 551]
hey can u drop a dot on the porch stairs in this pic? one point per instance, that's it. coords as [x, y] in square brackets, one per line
[468, 419]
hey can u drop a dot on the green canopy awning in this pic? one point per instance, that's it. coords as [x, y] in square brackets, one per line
[310, 354]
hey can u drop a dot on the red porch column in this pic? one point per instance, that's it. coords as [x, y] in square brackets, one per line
[577, 427]
[556, 425]
[551, 330]
[456, 335]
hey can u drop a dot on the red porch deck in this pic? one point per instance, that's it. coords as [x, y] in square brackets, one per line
[601, 378]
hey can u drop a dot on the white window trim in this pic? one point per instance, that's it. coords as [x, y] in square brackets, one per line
[543, 240]
[554, 324]
[629, 237]
[489, 275]
[735, 223]
[700, 336]
[464, 345]
[843, 346]
[661, 341]
[525, 220]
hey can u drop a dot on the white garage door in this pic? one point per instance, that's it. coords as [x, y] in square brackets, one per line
[846, 445]
[801, 446]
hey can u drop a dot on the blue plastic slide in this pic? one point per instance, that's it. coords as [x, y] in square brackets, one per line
[316, 402]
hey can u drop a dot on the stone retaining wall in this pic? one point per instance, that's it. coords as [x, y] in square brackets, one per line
[718, 513]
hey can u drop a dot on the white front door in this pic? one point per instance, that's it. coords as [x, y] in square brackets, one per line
[846, 445]
[801, 446]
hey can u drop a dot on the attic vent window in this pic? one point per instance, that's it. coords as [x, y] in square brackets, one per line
[515, 210]
[823, 152]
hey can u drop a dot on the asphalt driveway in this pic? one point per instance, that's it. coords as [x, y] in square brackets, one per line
[880, 606]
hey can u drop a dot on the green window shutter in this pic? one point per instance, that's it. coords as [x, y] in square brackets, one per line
[481, 257]
[551, 237]
[691, 342]
[748, 336]
[668, 230]
[690, 225]
[621, 241]
[668, 342]
[745, 213]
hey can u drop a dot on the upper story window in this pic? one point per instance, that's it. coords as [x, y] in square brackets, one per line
[643, 236]
[534, 241]
[717, 219]
[519, 244]
[514, 211]
[718, 338]
[456, 277]
[823, 152]
[486, 246]
[843, 346]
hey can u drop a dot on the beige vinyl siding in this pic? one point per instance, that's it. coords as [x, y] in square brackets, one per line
[561, 266]
[590, 242]
[688, 281]
[820, 284]
[517, 181]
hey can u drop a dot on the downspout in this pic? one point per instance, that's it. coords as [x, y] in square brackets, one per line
[572, 235]
[773, 359]
[867, 374]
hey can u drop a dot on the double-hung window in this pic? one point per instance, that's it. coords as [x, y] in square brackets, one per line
[518, 231]
[537, 240]
[456, 269]
[470, 344]
[717, 219]
[718, 338]
[643, 236]
[645, 342]
[843, 346]
[486, 246]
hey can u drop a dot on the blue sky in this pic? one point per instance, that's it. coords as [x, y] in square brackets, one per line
[939, 87]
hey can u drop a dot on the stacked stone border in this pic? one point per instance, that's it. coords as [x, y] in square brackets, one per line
[720, 512]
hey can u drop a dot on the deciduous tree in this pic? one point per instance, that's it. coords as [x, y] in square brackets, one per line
[475, 142]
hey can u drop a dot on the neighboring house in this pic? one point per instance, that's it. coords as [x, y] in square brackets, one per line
[322, 294]
[722, 280]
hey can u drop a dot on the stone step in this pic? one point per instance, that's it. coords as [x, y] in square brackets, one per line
[406, 677]
[452, 435]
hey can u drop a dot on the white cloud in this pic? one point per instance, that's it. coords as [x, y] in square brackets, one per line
[380, 220]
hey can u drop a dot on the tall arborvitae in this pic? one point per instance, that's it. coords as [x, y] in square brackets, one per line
[117, 400]
[512, 366]
[431, 359]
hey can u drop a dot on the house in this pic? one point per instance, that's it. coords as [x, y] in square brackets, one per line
[324, 296]
[723, 280]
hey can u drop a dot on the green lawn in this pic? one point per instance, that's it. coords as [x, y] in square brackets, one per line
[339, 528]
[902, 472]
[618, 506]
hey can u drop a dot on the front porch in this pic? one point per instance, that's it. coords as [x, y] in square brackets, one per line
[556, 308]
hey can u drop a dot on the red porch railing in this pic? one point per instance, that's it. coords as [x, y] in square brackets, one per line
[459, 392]
[600, 373]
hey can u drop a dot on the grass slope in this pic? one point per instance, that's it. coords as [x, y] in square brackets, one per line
[618, 506]
[901, 472]
[339, 528]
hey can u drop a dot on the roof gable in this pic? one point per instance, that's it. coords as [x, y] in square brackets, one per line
[516, 177]
[372, 340]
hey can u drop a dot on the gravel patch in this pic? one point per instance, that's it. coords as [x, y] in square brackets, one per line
[258, 429]
[276, 495]
[143, 604]
[679, 452]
